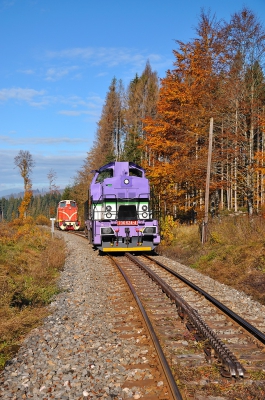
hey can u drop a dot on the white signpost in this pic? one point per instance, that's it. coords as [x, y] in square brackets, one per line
[52, 227]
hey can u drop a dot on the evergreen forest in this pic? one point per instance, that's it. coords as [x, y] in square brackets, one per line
[44, 205]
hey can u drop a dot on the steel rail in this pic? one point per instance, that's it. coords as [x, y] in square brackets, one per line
[227, 358]
[171, 381]
[245, 324]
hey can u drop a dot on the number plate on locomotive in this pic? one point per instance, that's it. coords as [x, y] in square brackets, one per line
[127, 222]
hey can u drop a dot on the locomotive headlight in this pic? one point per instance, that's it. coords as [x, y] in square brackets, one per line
[149, 230]
[108, 215]
[126, 181]
[108, 208]
[144, 215]
[144, 208]
[107, 231]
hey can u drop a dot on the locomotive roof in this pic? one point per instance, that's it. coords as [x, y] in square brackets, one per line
[68, 200]
[113, 163]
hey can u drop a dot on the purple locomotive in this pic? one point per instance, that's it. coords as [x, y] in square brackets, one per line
[118, 217]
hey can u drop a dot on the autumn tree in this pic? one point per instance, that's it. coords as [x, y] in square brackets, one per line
[178, 136]
[217, 75]
[109, 134]
[24, 161]
[53, 189]
[245, 38]
[108, 142]
[52, 176]
[141, 102]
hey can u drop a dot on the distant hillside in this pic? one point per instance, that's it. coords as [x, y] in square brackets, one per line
[17, 194]
[8, 192]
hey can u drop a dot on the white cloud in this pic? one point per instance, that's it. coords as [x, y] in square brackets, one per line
[6, 4]
[65, 164]
[27, 71]
[20, 94]
[54, 74]
[76, 113]
[41, 140]
[87, 52]
[90, 105]
[109, 57]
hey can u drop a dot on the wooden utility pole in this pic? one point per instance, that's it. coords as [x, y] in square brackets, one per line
[207, 186]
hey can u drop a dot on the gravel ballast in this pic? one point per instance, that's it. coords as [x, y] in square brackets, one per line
[76, 353]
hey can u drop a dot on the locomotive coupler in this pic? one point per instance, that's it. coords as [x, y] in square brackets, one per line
[127, 232]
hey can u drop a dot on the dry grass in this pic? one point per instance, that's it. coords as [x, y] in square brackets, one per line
[30, 261]
[234, 253]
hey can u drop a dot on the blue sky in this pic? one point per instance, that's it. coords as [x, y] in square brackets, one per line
[58, 58]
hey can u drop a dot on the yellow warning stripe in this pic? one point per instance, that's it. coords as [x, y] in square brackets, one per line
[107, 249]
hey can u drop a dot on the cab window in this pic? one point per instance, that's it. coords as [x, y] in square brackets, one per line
[107, 173]
[135, 172]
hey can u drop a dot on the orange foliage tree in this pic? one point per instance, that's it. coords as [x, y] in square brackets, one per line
[25, 204]
[216, 75]
[178, 137]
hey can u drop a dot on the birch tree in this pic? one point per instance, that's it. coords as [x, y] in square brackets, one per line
[245, 39]
[24, 161]
[52, 176]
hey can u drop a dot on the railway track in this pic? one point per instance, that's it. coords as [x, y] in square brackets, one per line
[196, 331]
[203, 345]
[155, 378]
[149, 376]
[173, 390]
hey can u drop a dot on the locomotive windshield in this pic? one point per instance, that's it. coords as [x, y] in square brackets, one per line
[64, 203]
[135, 172]
[107, 173]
